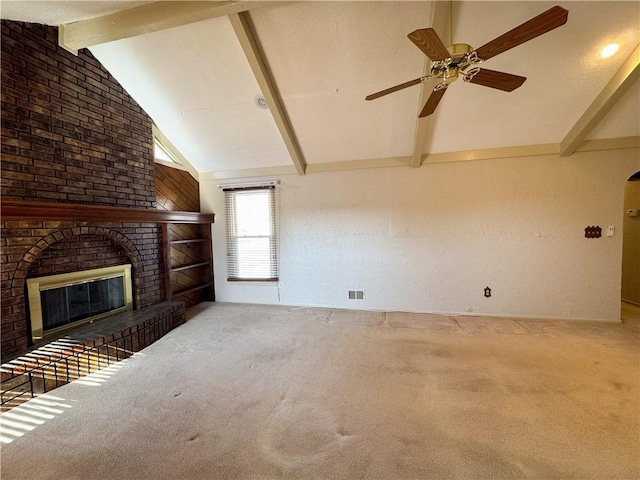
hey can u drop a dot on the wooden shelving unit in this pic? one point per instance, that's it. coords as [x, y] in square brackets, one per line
[188, 262]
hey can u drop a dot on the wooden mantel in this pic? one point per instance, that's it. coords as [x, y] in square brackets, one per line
[27, 210]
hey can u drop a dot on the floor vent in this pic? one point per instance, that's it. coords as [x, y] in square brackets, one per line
[356, 295]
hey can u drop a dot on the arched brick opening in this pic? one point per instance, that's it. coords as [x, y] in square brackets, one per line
[78, 234]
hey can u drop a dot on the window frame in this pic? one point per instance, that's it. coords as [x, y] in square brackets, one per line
[233, 269]
[172, 158]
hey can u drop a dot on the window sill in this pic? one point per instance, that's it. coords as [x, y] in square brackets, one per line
[256, 282]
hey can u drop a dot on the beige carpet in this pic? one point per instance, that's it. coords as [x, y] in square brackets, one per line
[260, 392]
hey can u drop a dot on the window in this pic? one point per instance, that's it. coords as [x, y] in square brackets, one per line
[162, 153]
[252, 233]
[167, 154]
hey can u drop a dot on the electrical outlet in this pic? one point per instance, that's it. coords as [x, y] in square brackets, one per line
[469, 309]
[610, 231]
[279, 284]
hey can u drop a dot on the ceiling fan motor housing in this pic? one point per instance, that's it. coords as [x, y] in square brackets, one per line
[458, 50]
[449, 68]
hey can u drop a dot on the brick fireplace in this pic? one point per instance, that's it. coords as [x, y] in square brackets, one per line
[36, 248]
[71, 135]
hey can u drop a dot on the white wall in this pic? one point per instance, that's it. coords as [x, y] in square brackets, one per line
[631, 246]
[431, 239]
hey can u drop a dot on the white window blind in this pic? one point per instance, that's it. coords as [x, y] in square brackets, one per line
[252, 233]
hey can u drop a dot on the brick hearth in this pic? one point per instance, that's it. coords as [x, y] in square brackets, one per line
[86, 350]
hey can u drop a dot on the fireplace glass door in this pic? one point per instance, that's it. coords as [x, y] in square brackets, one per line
[62, 300]
[64, 305]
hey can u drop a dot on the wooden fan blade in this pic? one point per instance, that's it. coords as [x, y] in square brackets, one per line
[543, 23]
[432, 102]
[502, 81]
[389, 90]
[427, 40]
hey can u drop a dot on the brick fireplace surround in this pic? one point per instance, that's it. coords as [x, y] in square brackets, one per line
[71, 135]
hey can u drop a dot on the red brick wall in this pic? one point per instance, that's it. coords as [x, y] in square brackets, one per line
[75, 253]
[70, 133]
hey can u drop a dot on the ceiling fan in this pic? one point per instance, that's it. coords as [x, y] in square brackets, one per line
[460, 58]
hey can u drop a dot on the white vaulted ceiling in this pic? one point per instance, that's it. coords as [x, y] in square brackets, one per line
[196, 83]
[326, 57]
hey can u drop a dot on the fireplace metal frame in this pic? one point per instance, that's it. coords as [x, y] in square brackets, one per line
[37, 285]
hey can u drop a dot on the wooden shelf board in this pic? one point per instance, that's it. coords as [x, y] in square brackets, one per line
[193, 265]
[190, 240]
[192, 289]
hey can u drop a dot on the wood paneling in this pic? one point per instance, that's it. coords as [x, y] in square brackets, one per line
[176, 189]
[188, 256]
[189, 253]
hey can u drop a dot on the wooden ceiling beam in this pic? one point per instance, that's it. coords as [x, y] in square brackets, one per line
[244, 31]
[143, 19]
[424, 126]
[623, 79]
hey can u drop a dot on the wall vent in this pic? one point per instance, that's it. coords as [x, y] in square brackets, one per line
[356, 294]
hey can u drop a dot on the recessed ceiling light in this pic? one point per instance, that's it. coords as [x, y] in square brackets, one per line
[609, 50]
